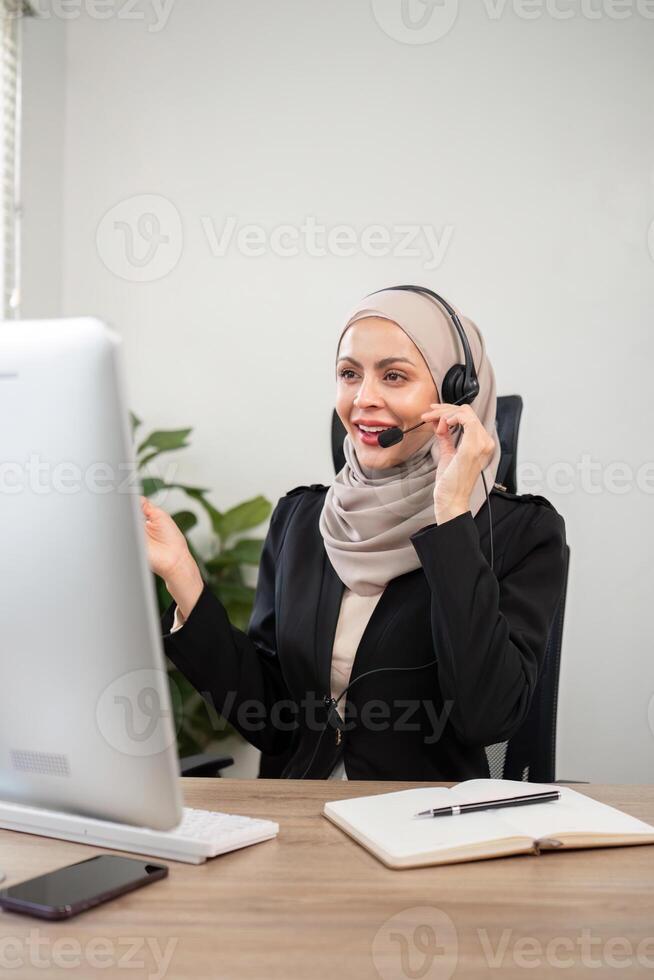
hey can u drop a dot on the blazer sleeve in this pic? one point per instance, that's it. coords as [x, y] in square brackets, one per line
[491, 634]
[238, 672]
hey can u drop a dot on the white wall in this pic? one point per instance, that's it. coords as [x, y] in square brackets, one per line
[527, 138]
[42, 174]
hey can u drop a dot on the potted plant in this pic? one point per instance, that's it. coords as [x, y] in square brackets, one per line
[222, 565]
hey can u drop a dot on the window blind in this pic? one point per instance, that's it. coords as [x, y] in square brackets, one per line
[11, 17]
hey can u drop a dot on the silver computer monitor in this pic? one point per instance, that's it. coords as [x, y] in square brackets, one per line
[86, 721]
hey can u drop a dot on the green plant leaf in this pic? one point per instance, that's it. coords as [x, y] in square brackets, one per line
[198, 723]
[142, 463]
[244, 516]
[247, 551]
[228, 575]
[165, 440]
[215, 515]
[239, 614]
[194, 492]
[155, 483]
[198, 560]
[185, 520]
[232, 592]
[151, 485]
[134, 421]
[164, 598]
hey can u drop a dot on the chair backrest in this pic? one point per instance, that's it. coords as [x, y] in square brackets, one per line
[530, 754]
[507, 420]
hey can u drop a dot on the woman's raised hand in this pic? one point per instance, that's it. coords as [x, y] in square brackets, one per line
[170, 558]
[458, 466]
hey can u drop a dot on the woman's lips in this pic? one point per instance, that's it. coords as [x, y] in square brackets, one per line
[370, 438]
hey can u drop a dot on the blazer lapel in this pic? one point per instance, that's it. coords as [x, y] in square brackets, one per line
[329, 606]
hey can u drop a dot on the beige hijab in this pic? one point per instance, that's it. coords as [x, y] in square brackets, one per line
[369, 514]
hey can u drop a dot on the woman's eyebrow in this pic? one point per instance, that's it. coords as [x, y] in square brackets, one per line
[385, 361]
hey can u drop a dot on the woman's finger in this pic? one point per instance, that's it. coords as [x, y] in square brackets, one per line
[442, 432]
[433, 416]
[447, 406]
[469, 422]
[460, 418]
[457, 416]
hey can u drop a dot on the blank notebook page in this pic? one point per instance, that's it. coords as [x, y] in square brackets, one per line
[388, 819]
[573, 813]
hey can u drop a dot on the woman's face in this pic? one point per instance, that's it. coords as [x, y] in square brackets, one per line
[382, 380]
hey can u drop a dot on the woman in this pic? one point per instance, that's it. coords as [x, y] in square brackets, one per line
[382, 645]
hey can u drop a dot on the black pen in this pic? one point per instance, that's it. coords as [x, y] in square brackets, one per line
[453, 811]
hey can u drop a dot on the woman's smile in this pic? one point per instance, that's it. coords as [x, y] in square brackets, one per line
[368, 430]
[383, 383]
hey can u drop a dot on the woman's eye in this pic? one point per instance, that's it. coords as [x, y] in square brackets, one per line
[346, 372]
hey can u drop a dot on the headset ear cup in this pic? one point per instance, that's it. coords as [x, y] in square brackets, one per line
[452, 389]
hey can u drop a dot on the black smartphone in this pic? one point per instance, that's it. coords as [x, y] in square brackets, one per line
[67, 891]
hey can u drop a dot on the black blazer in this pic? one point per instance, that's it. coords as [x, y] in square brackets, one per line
[474, 638]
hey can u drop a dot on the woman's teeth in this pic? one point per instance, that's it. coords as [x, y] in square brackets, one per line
[375, 428]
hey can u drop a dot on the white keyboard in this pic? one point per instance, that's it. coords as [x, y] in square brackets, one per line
[202, 834]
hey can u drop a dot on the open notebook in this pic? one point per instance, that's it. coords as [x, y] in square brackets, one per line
[386, 825]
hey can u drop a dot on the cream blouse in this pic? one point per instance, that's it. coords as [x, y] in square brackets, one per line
[353, 617]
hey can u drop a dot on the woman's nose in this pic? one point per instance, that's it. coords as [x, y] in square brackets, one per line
[368, 394]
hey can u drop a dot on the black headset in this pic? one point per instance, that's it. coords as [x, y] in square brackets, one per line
[460, 386]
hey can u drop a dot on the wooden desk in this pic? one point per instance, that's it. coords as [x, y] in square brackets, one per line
[311, 904]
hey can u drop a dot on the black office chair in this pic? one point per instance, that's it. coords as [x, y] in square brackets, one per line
[530, 753]
[507, 423]
[204, 764]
